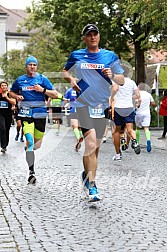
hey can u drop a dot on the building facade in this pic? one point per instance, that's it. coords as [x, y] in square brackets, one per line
[10, 37]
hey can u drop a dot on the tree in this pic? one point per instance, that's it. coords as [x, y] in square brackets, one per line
[123, 24]
[43, 45]
[143, 22]
[12, 65]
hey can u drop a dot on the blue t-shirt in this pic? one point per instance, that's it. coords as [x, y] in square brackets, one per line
[72, 95]
[33, 100]
[95, 86]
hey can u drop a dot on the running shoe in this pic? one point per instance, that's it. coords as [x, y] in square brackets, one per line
[58, 133]
[104, 139]
[21, 139]
[135, 146]
[17, 137]
[85, 182]
[93, 194]
[78, 145]
[32, 178]
[123, 143]
[148, 145]
[161, 138]
[3, 150]
[115, 158]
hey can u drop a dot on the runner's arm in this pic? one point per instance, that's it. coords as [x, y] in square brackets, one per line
[136, 95]
[10, 100]
[72, 80]
[16, 96]
[117, 78]
[114, 90]
[50, 93]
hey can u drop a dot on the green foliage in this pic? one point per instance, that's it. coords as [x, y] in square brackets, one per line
[69, 18]
[44, 46]
[125, 25]
[13, 65]
[156, 120]
[163, 77]
[122, 24]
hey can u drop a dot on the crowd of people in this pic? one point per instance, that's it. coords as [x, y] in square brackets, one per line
[101, 91]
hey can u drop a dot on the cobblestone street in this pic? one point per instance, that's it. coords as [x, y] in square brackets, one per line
[54, 215]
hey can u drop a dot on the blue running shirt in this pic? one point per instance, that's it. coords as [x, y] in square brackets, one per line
[87, 67]
[72, 95]
[24, 86]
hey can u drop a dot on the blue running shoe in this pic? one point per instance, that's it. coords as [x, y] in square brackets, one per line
[85, 182]
[148, 145]
[17, 137]
[21, 139]
[93, 194]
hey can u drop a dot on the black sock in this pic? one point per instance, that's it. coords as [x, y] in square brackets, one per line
[31, 169]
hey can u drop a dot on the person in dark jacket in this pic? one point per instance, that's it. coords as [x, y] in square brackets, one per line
[6, 103]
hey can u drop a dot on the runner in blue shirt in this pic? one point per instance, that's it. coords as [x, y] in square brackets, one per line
[30, 90]
[93, 68]
[71, 95]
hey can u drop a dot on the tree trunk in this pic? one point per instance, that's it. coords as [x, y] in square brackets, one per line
[140, 75]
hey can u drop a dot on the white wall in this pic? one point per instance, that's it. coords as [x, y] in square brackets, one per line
[2, 35]
[15, 43]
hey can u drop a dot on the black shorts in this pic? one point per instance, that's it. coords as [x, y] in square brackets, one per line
[120, 120]
[56, 110]
[39, 124]
[87, 123]
[18, 118]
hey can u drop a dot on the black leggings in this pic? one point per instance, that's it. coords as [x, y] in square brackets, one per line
[165, 126]
[5, 124]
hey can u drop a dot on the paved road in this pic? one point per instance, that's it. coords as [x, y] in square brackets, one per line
[54, 215]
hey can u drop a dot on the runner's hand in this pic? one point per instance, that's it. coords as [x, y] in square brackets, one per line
[38, 88]
[20, 98]
[73, 83]
[107, 72]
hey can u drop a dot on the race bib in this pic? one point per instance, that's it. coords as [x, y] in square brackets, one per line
[25, 112]
[3, 104]
[97, 111]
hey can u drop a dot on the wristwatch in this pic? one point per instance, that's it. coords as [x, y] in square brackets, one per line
[44, 90]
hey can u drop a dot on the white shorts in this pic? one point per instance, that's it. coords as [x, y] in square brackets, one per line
[142, 120]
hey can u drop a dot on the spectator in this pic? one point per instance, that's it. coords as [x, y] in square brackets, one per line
[6, 103]
[163, 112]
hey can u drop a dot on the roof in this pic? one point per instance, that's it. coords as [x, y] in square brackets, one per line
[156, 56]
[14, 16]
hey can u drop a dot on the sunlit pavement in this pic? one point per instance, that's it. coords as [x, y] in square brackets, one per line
[54, 215]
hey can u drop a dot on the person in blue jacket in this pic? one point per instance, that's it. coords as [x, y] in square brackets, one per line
[90, 72]
[71, 96]
[30, 90]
